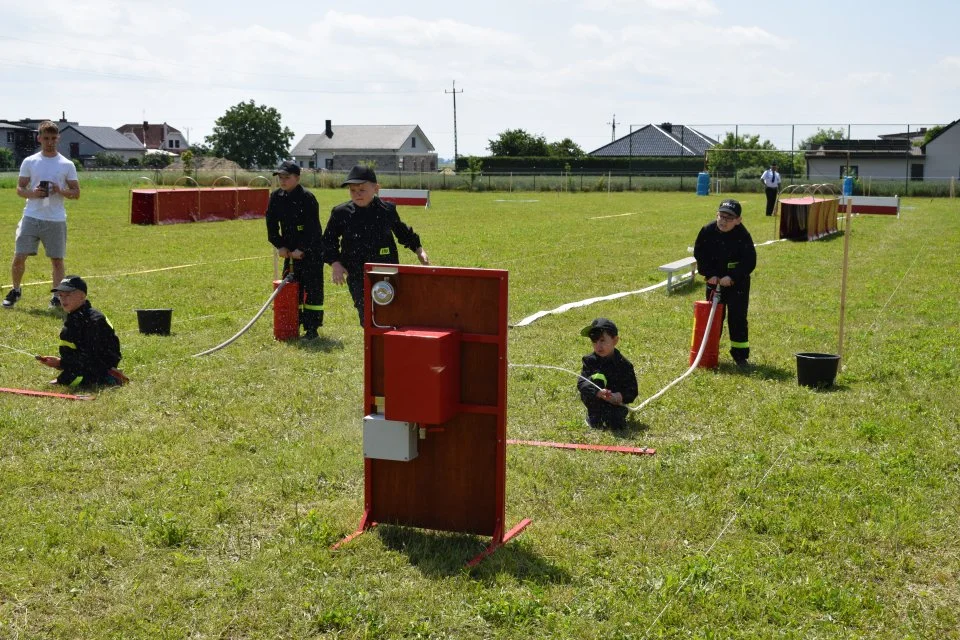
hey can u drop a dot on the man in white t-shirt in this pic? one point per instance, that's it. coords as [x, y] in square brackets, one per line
[46, 178]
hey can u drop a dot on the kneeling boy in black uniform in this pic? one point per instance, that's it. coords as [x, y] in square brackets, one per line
[89, 347]
[611, 372]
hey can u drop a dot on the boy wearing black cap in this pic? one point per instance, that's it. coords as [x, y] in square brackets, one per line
[293, 227]
[726, 257]
[607, 369]
[361, 231]
[89, 347]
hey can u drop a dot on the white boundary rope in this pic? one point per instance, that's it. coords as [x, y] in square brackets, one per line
[613, 296]
[696, 362]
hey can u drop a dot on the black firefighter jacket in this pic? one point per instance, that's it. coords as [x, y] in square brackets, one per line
[293, 221]
[613, 372]
[89, 347]
[725, 254]
[356, 235]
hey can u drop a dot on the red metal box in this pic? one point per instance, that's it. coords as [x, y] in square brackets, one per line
[421, 376]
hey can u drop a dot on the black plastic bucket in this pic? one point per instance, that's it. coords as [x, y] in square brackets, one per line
[155, 321]
[817, 370]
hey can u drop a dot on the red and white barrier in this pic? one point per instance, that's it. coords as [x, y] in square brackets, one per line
[881, 205]
[408, 197]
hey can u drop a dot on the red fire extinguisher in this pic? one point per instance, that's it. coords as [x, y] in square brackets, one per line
[286, 310]
[701, 315]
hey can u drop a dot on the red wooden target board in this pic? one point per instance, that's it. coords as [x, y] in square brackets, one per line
[444, 332]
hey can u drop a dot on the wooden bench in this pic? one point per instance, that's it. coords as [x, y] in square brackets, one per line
[682, 267]
[400, 197]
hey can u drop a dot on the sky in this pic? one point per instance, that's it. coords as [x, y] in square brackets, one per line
[560, 69]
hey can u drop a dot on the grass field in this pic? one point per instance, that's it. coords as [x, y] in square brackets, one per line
[201, 500]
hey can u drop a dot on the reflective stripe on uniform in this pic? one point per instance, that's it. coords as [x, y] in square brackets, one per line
[76, 381]
[740, 345]
[385, 251]
[602, 378]
[312, 307]
[732, 265]
[69, 345]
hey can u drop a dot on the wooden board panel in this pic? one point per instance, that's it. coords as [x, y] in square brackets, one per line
[457, 481]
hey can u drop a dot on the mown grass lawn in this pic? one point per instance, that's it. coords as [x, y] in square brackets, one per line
[201, 501]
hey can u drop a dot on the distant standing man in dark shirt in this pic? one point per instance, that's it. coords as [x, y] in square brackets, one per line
[726, 257]
[771, 183]
[293, 227]
[361, 231]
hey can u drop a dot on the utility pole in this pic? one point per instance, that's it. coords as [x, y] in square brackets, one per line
[613, 130]
[454, 92]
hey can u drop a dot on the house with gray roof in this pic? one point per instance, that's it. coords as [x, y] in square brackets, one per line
[21, 140]
[79, 142]
[658, 140]
[386, 147]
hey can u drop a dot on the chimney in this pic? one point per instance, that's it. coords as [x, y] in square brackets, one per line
[329, 129]
[666, 126]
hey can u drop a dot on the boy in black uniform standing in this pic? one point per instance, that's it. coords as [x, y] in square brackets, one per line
[607, 369]
[726, 257]
[89, 347]
[293, 227]
[361, 231]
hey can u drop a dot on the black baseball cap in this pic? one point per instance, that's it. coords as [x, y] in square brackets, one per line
[360, 174]
[598, 326]
[288, 166]
[71, 283]
[730, 206]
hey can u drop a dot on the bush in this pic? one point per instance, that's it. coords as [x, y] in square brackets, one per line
[104, 160]
[6, 158]
[133, 162]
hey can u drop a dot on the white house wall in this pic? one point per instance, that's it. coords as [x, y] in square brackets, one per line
[878, 168]
[943, 155]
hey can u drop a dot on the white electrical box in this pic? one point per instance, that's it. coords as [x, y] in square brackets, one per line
[388, 439]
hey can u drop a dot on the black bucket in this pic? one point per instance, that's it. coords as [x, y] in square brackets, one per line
[817, 370]
[155, 321]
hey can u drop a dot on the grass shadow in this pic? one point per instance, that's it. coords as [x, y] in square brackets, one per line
[323, 343]
[633, 428]
[443, 554]
[760, 370]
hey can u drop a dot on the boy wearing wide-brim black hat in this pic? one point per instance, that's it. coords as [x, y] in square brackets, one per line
[607, 380]
[362, 230]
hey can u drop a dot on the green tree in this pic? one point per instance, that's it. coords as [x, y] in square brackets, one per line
[517, 142]
[250, 135]
[932, 131]
[737, 152]
[6, 158]
[474, 169]
[200, 150]
[565, 148]
[187, 158]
